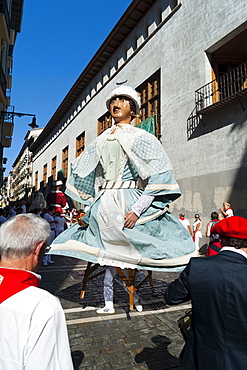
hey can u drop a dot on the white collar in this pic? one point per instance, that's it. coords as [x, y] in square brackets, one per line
[232, 249]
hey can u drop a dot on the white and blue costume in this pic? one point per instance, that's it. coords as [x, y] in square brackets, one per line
[125, 163]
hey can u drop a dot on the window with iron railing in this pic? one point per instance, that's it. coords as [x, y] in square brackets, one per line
[224, 89]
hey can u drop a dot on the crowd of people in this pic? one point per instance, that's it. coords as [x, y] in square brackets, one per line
[196, 229]
[61, 219]
[58, 219]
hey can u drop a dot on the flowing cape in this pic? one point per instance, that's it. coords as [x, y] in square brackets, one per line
[158, 240]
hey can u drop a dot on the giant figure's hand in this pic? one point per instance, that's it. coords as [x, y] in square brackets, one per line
[130, 219]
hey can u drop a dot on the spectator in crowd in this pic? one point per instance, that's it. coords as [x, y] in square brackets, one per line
[226, 210]
[33, 330]
[217, 289]
[12, 211]
[185, 222]
[38, 202]
[36, 211]
[61, 223]
[214, 242]
[220, 216]
[23, 206]
[2, 216]
[49, 217]
[197, 231]
[19, 210]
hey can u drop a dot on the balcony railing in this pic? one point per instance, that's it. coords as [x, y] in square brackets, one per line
[223, 90]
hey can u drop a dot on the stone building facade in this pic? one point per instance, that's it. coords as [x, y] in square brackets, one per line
[21, 175]
[188, 61]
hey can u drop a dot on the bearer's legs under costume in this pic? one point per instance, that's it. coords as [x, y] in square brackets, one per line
[110, 273]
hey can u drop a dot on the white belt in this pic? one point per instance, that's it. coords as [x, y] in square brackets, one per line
[120, 185]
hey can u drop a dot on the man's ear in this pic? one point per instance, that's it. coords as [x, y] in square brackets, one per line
[40, 248]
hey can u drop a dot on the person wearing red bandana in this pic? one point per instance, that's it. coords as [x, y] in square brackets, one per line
[185, 222]
[214, 245]
[33, 329]
[226, 210]
[216, 286]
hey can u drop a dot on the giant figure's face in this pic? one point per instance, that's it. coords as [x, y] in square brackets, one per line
[120, 109]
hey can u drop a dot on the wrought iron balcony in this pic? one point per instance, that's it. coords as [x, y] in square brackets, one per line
[222, 91]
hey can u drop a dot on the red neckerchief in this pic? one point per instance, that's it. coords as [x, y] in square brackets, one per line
[182, 218]
[13, 281]
[215, 220]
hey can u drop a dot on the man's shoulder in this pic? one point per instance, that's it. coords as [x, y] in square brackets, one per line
[31, 299]
[216, 262]
[47, 216]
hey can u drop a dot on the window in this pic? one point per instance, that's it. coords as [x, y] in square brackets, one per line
[104, 122]
[150, 105]
[36, 179]
[80, 144]
[54, 168]
[45, 174]
[65, 155]
[229, 67]
[150, 100]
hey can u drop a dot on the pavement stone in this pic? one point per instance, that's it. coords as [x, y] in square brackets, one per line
[127, 340]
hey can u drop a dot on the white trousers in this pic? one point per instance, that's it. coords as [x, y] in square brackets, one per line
[110, 273]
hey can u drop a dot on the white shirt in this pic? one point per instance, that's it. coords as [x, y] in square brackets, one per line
[33, 332]
[199, 232]
[185, 222]
[232, 249]
[229, 212]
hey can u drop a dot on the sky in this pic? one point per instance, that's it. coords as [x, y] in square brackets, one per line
[58, 39]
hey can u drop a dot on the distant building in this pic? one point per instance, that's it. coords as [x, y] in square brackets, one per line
[10, 26]
[21, 179]
[188, 60]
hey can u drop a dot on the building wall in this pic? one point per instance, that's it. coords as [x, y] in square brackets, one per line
[211, 164]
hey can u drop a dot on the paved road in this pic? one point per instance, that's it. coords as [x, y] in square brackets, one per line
[125, 340]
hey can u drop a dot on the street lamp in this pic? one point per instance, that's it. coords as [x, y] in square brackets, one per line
[8, 115]
[6, 128]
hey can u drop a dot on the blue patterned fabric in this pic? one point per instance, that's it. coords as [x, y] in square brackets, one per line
[163, 237]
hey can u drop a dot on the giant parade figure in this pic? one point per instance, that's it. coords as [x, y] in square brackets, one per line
[126, 178]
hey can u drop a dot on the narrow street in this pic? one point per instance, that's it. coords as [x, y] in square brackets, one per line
[126, 340]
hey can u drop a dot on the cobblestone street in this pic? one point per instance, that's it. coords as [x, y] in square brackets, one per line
[126, 340]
